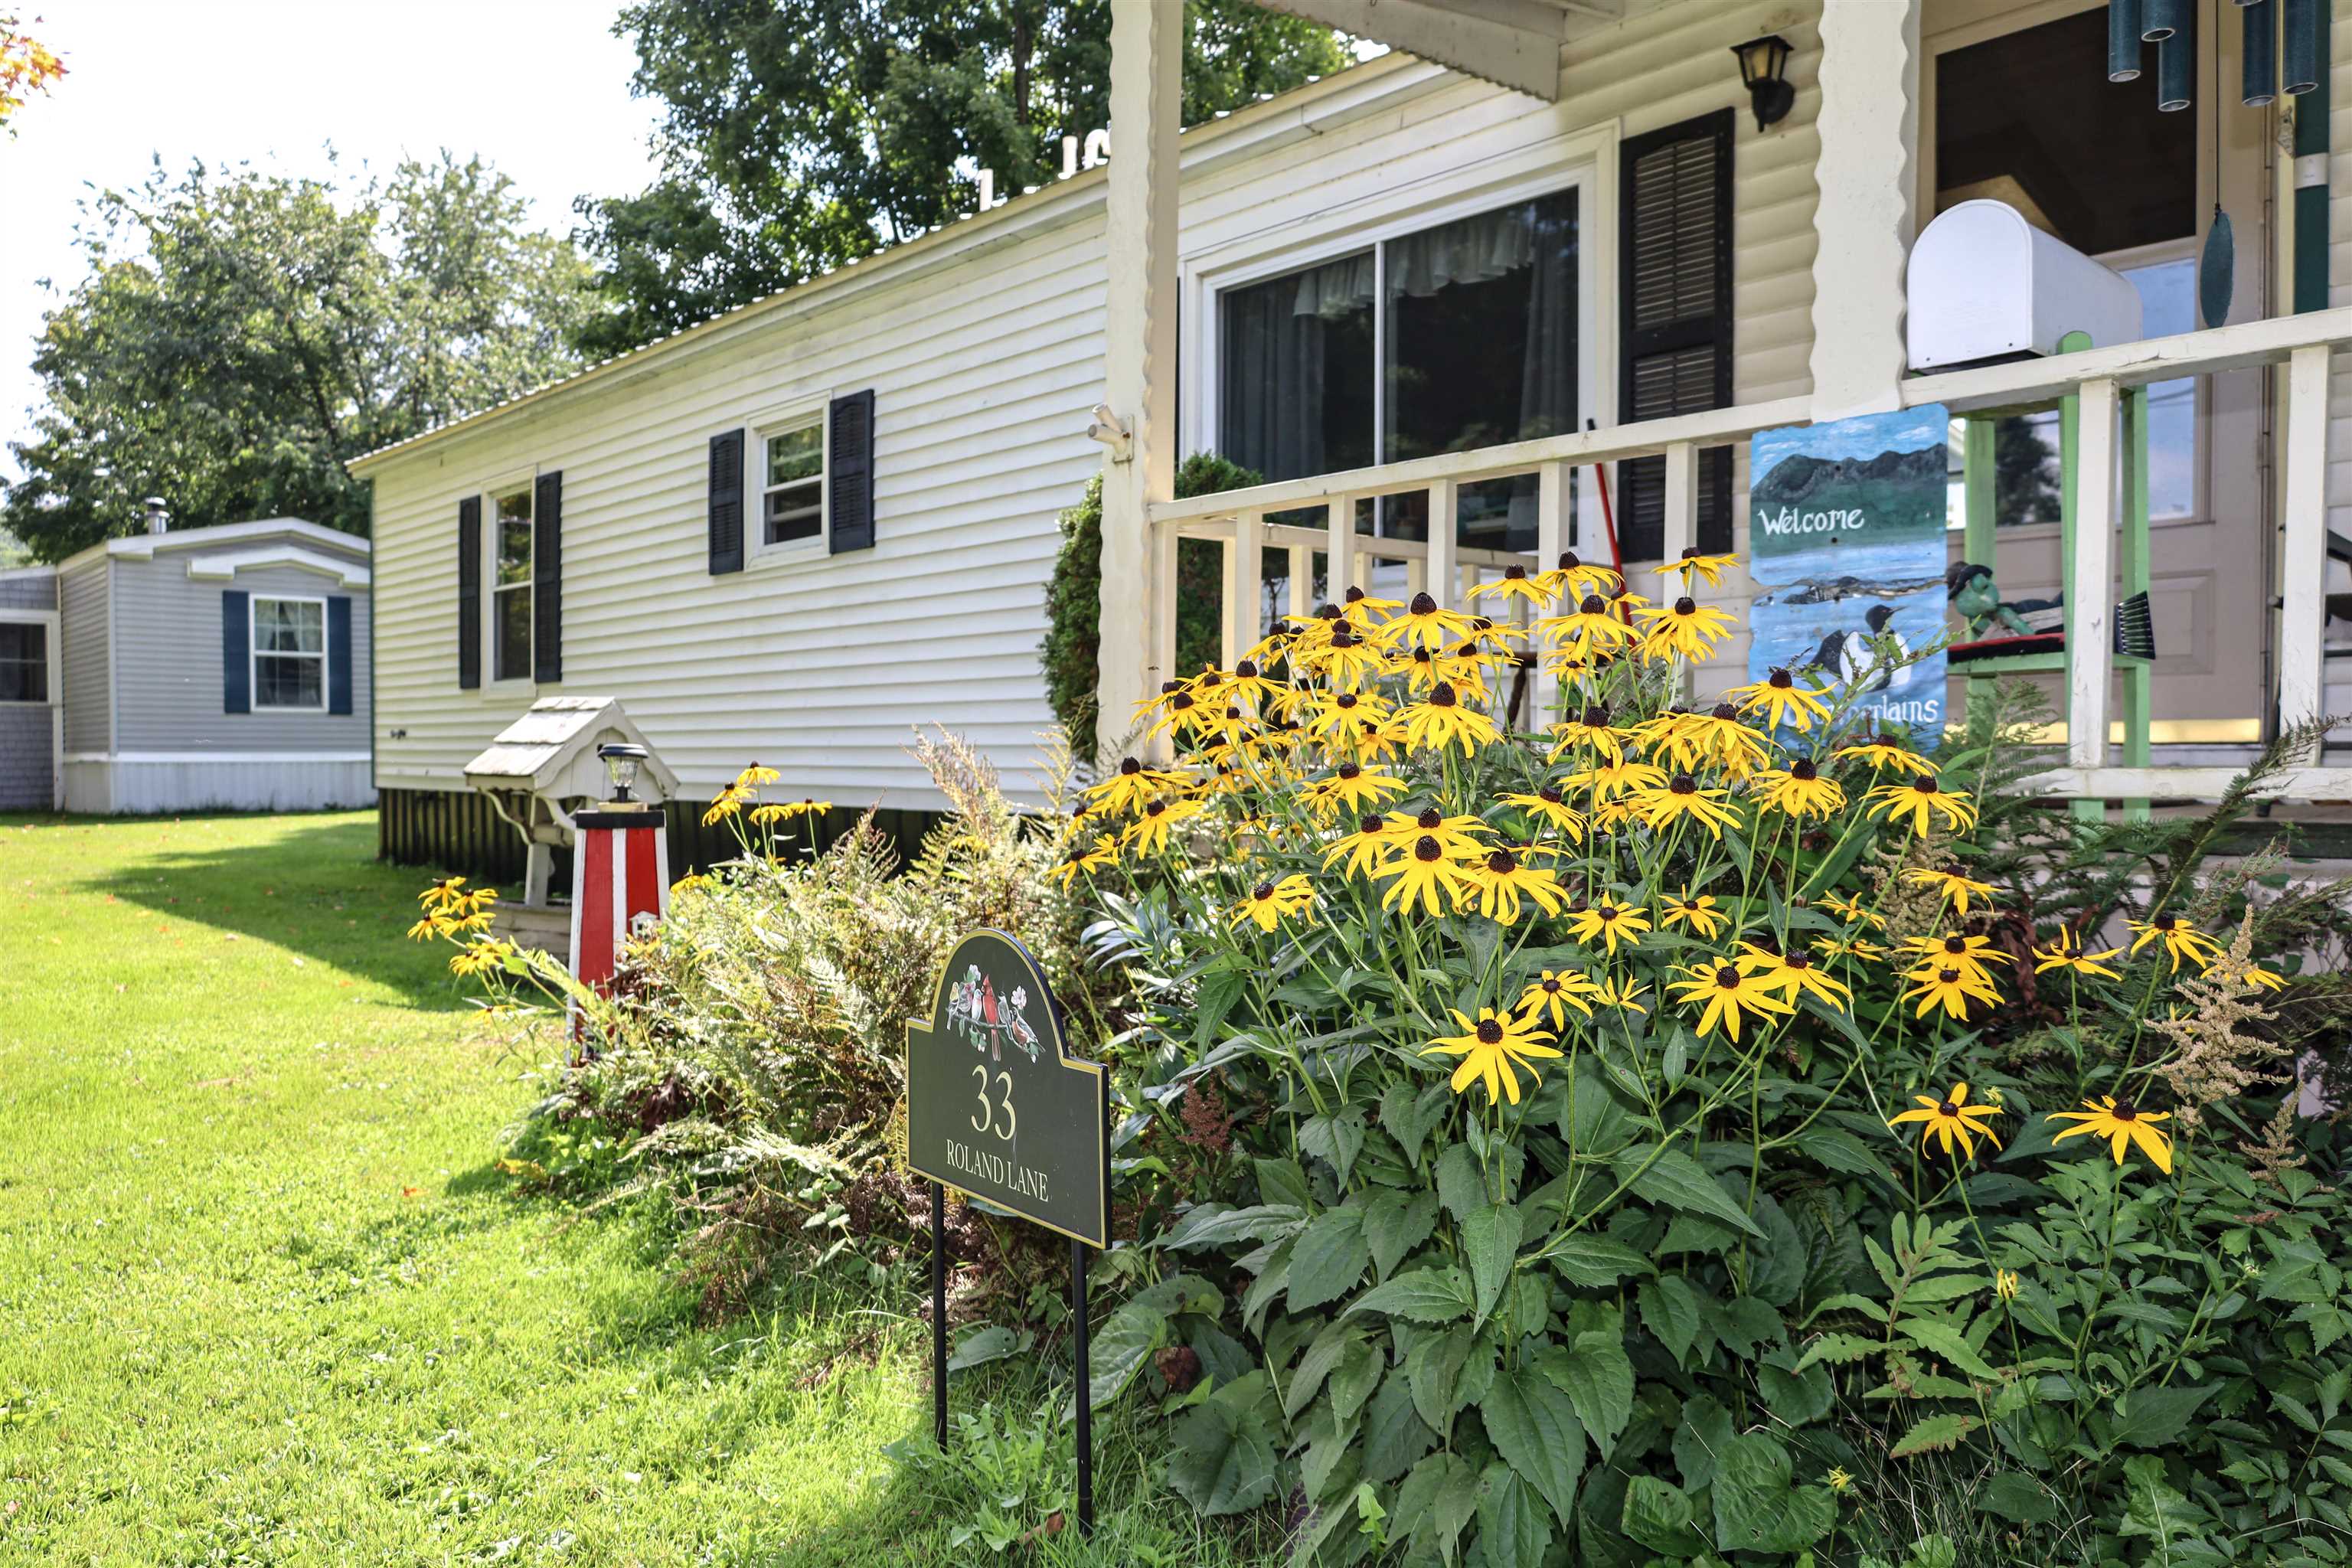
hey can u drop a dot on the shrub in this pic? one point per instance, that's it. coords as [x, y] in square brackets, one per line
[1074, 598]
[1657, 1138]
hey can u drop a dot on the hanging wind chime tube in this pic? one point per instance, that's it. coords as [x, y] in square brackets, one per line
[2258, 52]
[2123, 41]
[2175, 71]
[2299, 50]
[2162, 19]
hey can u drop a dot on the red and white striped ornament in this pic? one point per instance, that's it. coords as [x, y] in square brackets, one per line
[620, 885]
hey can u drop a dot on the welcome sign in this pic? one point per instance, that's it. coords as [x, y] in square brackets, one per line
[1847, 547]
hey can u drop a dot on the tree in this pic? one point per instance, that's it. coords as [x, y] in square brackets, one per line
[799, 134]
[240, 335]
[26, 65]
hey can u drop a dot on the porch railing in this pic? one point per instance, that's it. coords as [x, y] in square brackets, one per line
[1239, 521]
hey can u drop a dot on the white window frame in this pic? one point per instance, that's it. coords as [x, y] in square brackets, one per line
[813, 408]
[1584, 161]
[524, 483]
[52, 652]
[254, 653]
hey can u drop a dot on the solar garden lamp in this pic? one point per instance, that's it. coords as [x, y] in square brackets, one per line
[622, 761]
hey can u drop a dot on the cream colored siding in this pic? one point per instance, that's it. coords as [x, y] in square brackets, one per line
[86, 665]
[984, 348]
[2338, 676]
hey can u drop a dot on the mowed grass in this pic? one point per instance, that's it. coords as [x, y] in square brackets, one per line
[265, 1296]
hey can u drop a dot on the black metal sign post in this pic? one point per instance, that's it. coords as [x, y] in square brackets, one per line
[997, 1109]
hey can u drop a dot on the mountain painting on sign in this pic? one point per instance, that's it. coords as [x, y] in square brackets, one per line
[1846, 546]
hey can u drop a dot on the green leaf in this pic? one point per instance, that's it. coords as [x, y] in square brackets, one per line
[1118, 1349]
[1462, 1181]
[1598, 1378]
[1282, 1182]
[1675, 1179]
[1328, 1258]
[1835, 1148]
[1839, 1348]
[2012, 1494]
[1658, 1516]
[1214, 1225]
[1223, 1458]
[1358, 1374]
[1943, 1431]
[1433, 1372]
[1776, 1270]
[1409, 1114]
[1756, 1509]
[1670, 1311]
[1395, 1223]
[1938, 1338]
[1436, 1500]
[1794, 1397]
[1535, 1427]
[1394, 1438]
[1490, 1242]
[1513, 1528]
[1595, 1261]
[993, 1342]
[1221, 988]
[1423, 1295]
[1321, 1356]
[1338, 1138]
[2154, 1417]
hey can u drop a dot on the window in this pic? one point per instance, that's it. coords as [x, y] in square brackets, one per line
[510, 587]
[1461, 335]
[23, 662]
[792, 483]
[289, 653]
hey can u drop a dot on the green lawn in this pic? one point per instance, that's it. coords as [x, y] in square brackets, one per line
[269, 1299]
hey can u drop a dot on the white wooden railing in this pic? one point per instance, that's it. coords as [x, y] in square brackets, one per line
[1237, 520]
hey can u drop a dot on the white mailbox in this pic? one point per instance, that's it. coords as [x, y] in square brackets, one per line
[1985, 284]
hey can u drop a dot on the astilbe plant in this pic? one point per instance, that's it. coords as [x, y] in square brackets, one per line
[1566, 1196]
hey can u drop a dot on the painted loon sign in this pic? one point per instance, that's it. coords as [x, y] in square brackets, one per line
[995, 1106]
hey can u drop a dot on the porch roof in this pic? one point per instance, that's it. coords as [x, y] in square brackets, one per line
[1511, 43]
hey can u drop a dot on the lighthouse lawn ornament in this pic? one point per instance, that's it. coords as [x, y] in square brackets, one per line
[620, 874]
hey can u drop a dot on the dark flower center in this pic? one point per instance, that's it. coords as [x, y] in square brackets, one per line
[1568, 560]
[2125, 1111]
[1328, 612]
[1780, 678]
[1956, 945]
[1692, 553]
[1430, 817]
[1427, 848]
[1593, 604]
[1802, 768]
[1596, 718]
[1263, 891]
[1947, 976]
[1342, 637]
[1687, 605]
[1947, 1109]
[1355, 595]
[1349, 771]
[1368, 824]
[1130, 766]
[1924, 785]
[1155, 808]
[1490, 1033]
[1422, 604]
[1549, 794]
[1180, 702]
[1608, 912]
[1796, 961]
[2162, 922]
[1423, 655]
[1246, 670]
[1502, 862]
[1441, 696]
[1727, 977]
[1548, 984]
[1345, 700]
[1725, 711]
[1481, 623]
[1683, 785]
[1514, 573]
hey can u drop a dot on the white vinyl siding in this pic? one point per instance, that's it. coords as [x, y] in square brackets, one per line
[984, 348]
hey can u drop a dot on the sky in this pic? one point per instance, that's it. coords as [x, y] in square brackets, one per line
[540, 87]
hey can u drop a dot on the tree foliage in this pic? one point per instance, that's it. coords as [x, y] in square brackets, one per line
[799, 134]
[26, 65]
[240, 335]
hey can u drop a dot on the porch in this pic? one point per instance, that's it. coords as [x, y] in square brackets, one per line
[1869, 94]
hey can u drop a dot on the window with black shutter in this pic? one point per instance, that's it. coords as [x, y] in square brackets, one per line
[1674, 311]
[725, 511]
[470, 592]
[849, 473]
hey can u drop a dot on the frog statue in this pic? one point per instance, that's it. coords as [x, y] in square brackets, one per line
[1976, 599]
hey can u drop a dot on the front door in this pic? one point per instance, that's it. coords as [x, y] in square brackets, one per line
[2017, 106]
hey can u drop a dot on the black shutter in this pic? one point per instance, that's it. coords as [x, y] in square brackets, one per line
[1673, 283]
[237, 652]
[849, 473]
[726, 510]
[546, 581]
[339, 654]
[469, 594]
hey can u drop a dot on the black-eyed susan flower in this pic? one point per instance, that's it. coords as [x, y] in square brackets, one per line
[1918, 801]
[727, 803]
[2006, 1284]
[1694, 560]
[1882, 754]
[1362, 610]
[2257, 978]
[1685, 628]
[2124, 1124]
[1575, 578]
[1249, 683]
[1554, 991]
[1463, 837]
[1855, 947]
[1335, 717]
[1782, 700]
[1439, 721]
[1514, 583]
[1852, 912]
[1587, 729]
[1550, 807]
[1608, 921]
[1268, 904]
[481, 956]
[1177, 709]
[1502, 878]
[1952, 887]
[1423, 874]
[1955, 950]
[1798, 790]
[1680, 797]
[1839, 1479]
[1149, 832]
[1595, 624]
[2180, 939]
[1086, 859]
[1374, 841]
[1624, 778]
[1717, 736]
[1951, 1119]
[1793, 973]
[1950, 988]
[1624, 994]
[1725, 996]
[1347, 658]
[1424, 624]
[753, 776]
[1355, 788]
[2066, 952]
[1131, 785]
[1700, 913]
[1494, 1051]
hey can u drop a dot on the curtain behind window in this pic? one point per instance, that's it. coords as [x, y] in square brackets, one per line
[1296, 371]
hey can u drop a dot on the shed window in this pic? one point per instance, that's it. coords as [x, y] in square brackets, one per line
[1446, 339]
[23, 662]
[792, 492]
[289, 653]
[510, 587]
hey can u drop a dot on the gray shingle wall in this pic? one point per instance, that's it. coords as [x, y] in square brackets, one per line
[29, 593]
[27, 781]
[85, 669]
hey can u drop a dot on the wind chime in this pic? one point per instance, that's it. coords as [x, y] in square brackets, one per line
[2281, 39]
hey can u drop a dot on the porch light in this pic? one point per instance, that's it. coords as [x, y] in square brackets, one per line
[1761, 61]
[622, 761]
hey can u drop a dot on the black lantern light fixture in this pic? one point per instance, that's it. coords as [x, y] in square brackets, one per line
[1761, 62]
[622, 761]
